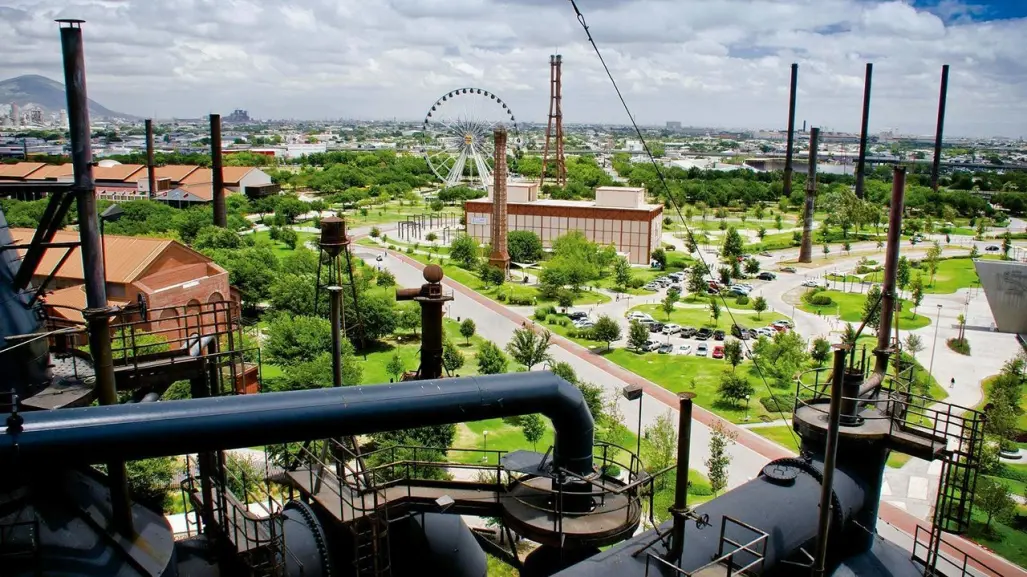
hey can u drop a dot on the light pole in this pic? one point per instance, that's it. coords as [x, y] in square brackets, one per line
[746, 408]
[632, 393]
[937, 325]
[485, 451]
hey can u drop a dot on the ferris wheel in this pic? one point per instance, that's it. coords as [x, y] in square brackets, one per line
[458, 140]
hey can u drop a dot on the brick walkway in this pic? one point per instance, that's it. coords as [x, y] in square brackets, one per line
[894, 516]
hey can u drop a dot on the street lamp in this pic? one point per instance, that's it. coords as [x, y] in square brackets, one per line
[485, 452]
[746, 408]
[632, 393]
[110, 214]
[937, 325]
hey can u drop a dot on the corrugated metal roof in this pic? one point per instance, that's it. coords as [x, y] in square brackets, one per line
[127, 256]
[19, 170]
[233, 174]
[199, 176]
[120, 172]
[70, 301]
[52, 171]
[176, 172]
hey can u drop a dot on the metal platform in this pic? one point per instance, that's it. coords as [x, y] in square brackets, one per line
[811, 420]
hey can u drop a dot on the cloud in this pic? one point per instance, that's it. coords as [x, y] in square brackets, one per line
[702, 62]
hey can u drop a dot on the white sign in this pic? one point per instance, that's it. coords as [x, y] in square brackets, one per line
[479, 220]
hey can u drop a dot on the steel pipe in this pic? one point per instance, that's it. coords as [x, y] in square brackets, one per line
[790, 149]
[217, 172]
[942, 97]
[864, 127]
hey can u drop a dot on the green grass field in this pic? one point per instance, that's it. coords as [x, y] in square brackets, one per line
[280, 249]
[952, 274]
[849, 306]
[699, 317]
[782, 435]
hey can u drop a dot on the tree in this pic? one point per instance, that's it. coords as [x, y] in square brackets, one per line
[431, 237]
[289, 237]
[533, 427]
[524, 246]
[717, 463]
[467, 329]
[902, 273]
[1007, 244]
[452, 358]
[849, 335]
[752, 266]
[565, 299]
[395, 367]
[638, 336]
[725, 275]
[933, 258]
[293, 339]
[659, 256]
[385, 279]
[714, 310]
[820, 351]
[872, 308]
[215, 237]
[606, 330]
[993, 498]
[981, 227]
[491, 360]
[780, 358]
[762, 232]
[914, 344]
[660, 448]
[696, 279]
[150, 480]
[667, 305]
[974, 252]
[733, 246]
[491, 275]
[733, 353]
[464, 250]
[733, 388]
[529, 348]
[759, 304]
[408, 317]
[777, 222]
[622, 272]
[916, 293]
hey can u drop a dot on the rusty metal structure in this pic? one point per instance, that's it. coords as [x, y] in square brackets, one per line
[218, 175]
[500, 256]
[806, 248]
[333, 247]
[790, 147]
[554, 130]
[943, 93]
[864, 127]
[151, 167]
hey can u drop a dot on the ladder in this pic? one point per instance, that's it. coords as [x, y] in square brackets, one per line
[371, 556]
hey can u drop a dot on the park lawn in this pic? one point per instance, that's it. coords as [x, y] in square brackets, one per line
[1004, 540]
[280, 249]
[850, 307]
[699, 317]
[897, 460]
[781, 434]
[772, 241]
[677, 372]
[952, 274]
[408, 347]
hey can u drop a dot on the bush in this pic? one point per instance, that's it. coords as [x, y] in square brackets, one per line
[392, 247]
[961, 346]
[612, 470]
[541, 313]
[410, 250]
[636, 282]
[819, 300]
[501, 297]
[778, 403]
[699, 489]
[741, 300]
[519, 301]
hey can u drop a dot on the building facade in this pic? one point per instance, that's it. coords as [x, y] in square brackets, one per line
[619, 216]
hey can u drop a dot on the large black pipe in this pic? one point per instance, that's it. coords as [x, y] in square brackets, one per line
[95, 434]
[791, 130]
[677, 543]
[806, 248]
[864, 127]
[830, 458]
[96, 312]
[942, 97]
[151, 168]
[218, 184]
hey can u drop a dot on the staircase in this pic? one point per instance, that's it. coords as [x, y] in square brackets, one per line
[371, 556]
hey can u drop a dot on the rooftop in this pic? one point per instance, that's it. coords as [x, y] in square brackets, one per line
[128, 257]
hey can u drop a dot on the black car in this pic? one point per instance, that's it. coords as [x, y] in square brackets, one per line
[575, 315]
[739, 332]
[656, 327]
[766, 276]
[718, 335]
[687, 332]
[703, 334]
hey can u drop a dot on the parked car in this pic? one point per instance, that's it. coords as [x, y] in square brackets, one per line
[778, 328]
[765, 253]
[575, 315]
[718, 352]
[739, 290]
[585, 324]
[677, 276]
[783, 322]
[765, 275]
[684, 349]
[671, 248]
[811, 283]
[701, 350]
[718, 335]
[638, 315]
[687, 332]
[666, 349]
[765, 332]
[651, 346]
[651, 287]
[992, 248]
[703, 334]
[671, 329]
[656, 327]
[787, 269]
[739, 332]
[713, 285]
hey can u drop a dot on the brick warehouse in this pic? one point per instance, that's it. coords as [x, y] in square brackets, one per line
[619, 215]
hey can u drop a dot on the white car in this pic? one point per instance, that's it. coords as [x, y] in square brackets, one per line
[671, 329]
[783, 323]
[637, 316]
[811, 283]
[684, 349]
[702, 350]
[765, 332]
[584, 324]
[652, 346]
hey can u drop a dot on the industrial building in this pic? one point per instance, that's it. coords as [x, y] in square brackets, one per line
[1005, 286]
[618, 215]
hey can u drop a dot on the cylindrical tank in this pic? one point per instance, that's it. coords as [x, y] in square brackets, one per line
[435, 544]
[25, 372]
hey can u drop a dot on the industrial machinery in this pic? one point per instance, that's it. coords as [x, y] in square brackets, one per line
[325, 507]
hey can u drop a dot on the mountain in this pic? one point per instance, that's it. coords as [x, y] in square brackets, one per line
[46, 94]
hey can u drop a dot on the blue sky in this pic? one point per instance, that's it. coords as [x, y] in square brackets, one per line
[976, 10]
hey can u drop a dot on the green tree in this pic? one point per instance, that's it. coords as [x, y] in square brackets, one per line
[733, 246]
[981, 228]
[659, 256]
[733, 388]
[215, 237]
[292, 339]
[408, 317]
[994, 499]
[464, 250]
[289, 237]
[820, 351]
[974, 252]
[759, 304]
[725, 275]
[385, 278]
[719, 460]
[714, 310]
[524, 246]
[395, 367]
[491, 360]
[467, 329]
[491, 275]
[452, 358]
[530, 348]
[733, 353]
[533, 427]
[916, 293]
[659, 450]
[872, 308]
[914, 344]
[622, 272]
[436, 206]
[752, 266]
[902, 273]
[606, 330]
[762, 232]
[150, 482]
[1007, 245]
[667, 305]
[696, 281]
[777, 222]
[638, 336]
[780, 358]
[431, 237]
[933, 258]
[849, 335]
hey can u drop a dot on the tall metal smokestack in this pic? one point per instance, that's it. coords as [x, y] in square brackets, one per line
[861, 164]
[500, 257]
[97, 313]
[806, 249]
[220, 216]
[151, 168]
[942, 96]
[791, 130]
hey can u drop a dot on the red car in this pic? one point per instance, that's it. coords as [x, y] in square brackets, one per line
[718, 352]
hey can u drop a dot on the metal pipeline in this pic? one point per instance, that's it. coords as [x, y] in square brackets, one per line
[940, 129]
[217, 173]
[790, 148]
[96, 434]
[151, 167]
[891, 267]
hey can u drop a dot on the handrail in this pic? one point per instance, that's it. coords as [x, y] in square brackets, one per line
[963, 565]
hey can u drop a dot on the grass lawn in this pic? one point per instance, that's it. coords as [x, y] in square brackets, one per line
[952, 274]
[281, 249]
[408, 347]
[1000, 538]
[850, 307]
[896, 460]
[699, 317]
[389, 213]
[781, 434]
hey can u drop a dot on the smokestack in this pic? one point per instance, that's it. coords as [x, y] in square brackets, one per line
[861, 165]
[500, 257]
[791, 130]
[220, 217]
[942, 96]
[804, 126]
[806, 249]
[431, 298]
[151, 169]
[97, 313]
[677, 543]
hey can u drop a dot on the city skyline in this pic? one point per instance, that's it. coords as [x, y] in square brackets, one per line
[719, 63]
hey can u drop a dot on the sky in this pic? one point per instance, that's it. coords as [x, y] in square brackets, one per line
[721, 63]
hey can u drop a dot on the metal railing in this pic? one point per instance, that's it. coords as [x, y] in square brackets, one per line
[957, 562]
[756, 549]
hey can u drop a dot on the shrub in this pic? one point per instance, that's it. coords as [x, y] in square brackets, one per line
[961, 346]
[820, 300]
[612, 470]
[699, 489]
[636, 282]
[410, 250]
[573, 333]
[392, 247]
[541, 313]
[778, 403]
[501, 297]
[519, 301]
[741, 300]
